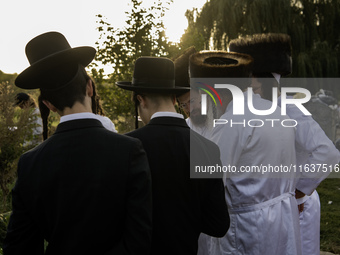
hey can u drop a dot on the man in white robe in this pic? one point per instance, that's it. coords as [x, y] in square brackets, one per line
[262, 207]
[271, 53]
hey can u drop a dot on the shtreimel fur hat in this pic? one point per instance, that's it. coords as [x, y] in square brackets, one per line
[220, 64]
[271, 52]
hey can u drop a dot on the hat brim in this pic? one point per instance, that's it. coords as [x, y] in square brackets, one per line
[28, 78]
[128, 86]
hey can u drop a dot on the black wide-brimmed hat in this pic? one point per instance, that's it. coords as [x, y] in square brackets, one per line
[271, 52]
[220, 64]
[182, 78]
[46, 52]
[153, 75]
[20, 98]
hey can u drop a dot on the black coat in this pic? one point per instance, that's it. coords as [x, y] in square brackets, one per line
[182, 207]
[85, 190]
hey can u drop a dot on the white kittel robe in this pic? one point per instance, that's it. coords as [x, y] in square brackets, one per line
[312, 147]
[263, 211]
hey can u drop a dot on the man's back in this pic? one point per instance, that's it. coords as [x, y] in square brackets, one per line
[182, 207]
[260, 193]
[85, 190]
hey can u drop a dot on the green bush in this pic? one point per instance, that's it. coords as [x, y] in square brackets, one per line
[4, 218]
[16, 129]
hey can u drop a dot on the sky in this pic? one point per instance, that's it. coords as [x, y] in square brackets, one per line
[22, 20]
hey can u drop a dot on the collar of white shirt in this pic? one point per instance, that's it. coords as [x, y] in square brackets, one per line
[167, 114]
[77, 116]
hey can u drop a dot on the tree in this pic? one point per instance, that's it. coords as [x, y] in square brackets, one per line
[312, 25]
[144, 35]
[7, 77]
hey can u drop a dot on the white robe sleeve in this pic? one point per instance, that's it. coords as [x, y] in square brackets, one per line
[313, 147]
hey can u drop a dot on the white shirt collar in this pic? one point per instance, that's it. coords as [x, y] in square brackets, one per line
[167, 114]
[77, 116]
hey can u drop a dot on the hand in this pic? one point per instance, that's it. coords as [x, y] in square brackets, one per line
[299, 194]
[301, 207]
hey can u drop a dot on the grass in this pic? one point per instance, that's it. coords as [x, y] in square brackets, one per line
[329, 192]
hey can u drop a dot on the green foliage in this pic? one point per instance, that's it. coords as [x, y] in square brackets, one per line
[194, 36]
[143, 35]
[116, 102]
[7, 77]
[312, 25]
[15, 129]
[4, 219]
[329, 190]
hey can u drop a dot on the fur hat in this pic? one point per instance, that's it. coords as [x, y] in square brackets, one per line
[47, 52]
[220, 64]
[182, 68]
[271, 52]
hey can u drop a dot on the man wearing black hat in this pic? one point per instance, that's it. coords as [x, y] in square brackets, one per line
[262, 207]
[182, 207]
[85, 190]
[272, 60]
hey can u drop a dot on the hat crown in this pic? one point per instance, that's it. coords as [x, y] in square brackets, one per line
[153, 75]
[153, 68]
[21, 97]
[45, 45]
[271, 52]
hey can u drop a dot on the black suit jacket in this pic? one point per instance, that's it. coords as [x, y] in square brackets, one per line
[85, 190]
[182, 207]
